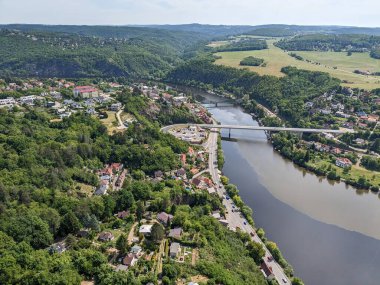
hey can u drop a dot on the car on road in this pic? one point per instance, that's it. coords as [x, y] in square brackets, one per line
[245, 222]
[252, 234]
[284, 280]
[269, 258]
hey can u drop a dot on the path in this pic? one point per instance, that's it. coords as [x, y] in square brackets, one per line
[131, 234]
[121, 124]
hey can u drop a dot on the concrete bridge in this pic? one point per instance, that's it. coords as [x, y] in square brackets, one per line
[220, 104]
[258, 128]
[270, 129]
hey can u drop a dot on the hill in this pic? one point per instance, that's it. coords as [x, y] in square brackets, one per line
[84, 51]
[328, 42]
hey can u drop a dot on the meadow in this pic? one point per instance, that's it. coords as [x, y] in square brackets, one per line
[338, 64]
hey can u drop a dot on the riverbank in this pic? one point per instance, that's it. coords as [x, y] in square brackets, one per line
[315, 222]
[356, 176]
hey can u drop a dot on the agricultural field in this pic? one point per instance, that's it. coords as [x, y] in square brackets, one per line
[338, 64]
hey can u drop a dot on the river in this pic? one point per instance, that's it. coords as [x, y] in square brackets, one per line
[328, 232]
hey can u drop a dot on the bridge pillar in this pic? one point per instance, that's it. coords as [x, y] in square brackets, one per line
[216, 104]
[229, 133]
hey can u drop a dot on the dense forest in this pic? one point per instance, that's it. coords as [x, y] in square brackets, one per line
[47, 54]
[375, 53]
[287, 95]
[330, 42]
[243, 44]
[251, 61]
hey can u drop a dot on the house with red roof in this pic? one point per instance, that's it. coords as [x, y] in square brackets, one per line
[183, 159]
[343, 162]
[86, 92]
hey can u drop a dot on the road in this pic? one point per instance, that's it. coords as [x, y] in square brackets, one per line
[233, 217]
[261, 128]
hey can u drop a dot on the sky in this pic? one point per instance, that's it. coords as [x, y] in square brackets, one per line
[365, 13]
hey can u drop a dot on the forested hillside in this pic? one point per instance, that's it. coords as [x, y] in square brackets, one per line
[329, 42]
[287, 94]
[121, 53]
[243, 44]
[44, 162]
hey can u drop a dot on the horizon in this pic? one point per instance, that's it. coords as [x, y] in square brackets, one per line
[176, 12]
[187, 24]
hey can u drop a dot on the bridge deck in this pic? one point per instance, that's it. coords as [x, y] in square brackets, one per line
[260, 128]
[274, 129]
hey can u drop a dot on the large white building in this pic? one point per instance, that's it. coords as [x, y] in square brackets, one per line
[86, 92]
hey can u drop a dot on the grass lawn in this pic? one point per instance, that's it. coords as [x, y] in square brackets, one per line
[355, 173]
[86, 189]
[111, 122]
[275, 59]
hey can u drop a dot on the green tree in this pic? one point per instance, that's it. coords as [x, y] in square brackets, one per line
[70, 224]
[140, 210]
[157, 233]
[122, 244]
[256, 251]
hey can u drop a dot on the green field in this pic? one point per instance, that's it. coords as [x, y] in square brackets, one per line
[275, 59]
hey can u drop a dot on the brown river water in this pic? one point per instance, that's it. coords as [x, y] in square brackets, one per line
[329, 232]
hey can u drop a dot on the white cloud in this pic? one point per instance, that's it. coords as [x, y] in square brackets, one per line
[252, 12]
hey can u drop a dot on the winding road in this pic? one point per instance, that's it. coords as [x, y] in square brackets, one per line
[233, 216]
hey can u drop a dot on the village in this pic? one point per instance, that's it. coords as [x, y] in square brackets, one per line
[149, 236]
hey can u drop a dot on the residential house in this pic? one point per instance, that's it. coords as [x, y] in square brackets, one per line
[8, 102]
[335, 150]
[343, 162]
[194, 171]
[122, 215]
[181, 173]
[197, 182]
[117, 167]
[105, 236]
[136, 249]
[178, 101]
[175, 249]
[91, 111]
[164, 218]
[120, 179]
[115, 107]
[359, 141]
[103, 187]
[372, 118]
[183, 159]
[130, 260]
[28, 100]
[145, 230]
[175, 233]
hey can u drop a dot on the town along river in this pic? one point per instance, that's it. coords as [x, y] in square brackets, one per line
[329, 233]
